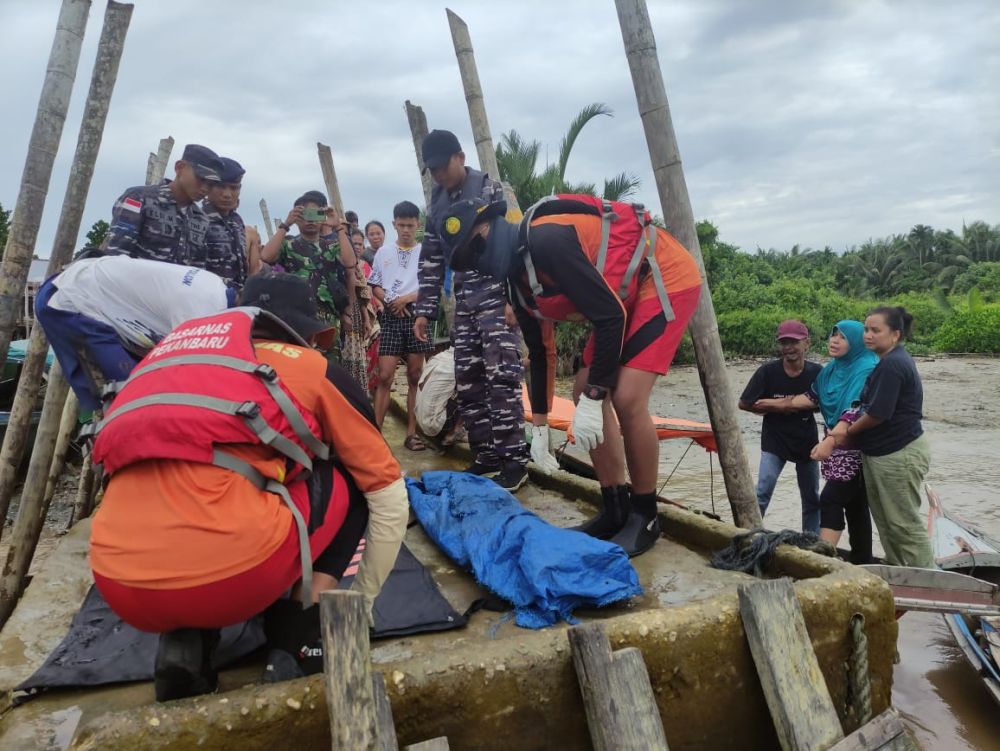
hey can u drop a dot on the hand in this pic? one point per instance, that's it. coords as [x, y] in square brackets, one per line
[508, 316]
[822, 450]
[588, 423]
[420, 328]
[333, 218]
[765, 405]
[398, 307]
[346, 323]
[540, 455]
[294, 216]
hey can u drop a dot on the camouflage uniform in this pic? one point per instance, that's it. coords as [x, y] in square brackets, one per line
[226, 246]
[146, 222]
[488, 370]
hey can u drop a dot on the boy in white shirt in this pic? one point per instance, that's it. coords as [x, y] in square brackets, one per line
[101, 315]
[394, 283]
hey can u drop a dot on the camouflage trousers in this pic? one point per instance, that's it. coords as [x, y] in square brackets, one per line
[488, 377]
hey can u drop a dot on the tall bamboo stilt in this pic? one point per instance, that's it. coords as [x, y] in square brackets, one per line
[109, 51]
[49, 120]
[418, 129]
[268, 225]
[330, 177]
[473, 95]
[67, 424]
[651, 95]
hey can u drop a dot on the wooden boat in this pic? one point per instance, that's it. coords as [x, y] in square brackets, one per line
[958, 546]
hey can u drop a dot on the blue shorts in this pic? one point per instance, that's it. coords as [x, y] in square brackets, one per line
[83, 346]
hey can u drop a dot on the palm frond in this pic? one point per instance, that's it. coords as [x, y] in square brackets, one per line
[583, 117]
[621, 186]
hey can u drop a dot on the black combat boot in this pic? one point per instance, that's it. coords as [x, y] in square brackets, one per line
[642, 526]
[612, 515]
[294, 641]
[184, 664]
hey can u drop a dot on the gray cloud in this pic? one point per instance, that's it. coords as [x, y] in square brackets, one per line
[819, 123]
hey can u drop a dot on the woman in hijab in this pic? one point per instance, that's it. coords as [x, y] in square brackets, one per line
[836, 391]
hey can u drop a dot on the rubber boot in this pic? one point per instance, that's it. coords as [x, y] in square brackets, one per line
[612, 516]
[642, 526]
[184, 664]
[294, 641]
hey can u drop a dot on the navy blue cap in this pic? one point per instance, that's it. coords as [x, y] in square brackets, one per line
[438, 147]
[232, 171]
[205, 162]
[463, 217]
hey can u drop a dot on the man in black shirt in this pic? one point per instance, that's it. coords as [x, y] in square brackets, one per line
[791, 436]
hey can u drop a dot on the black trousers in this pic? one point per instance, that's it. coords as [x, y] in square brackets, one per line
[846, 500]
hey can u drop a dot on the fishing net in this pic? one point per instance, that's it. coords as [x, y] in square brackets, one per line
[753, 552]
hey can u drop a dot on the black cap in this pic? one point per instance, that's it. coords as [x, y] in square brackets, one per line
[232, 171]
[291, 299]
[463, 216]
[438, 147]
[205, 162]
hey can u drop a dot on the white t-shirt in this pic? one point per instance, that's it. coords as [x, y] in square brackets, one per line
[141, 300]
[395, 270]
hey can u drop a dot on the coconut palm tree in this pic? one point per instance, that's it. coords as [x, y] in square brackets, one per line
[517, 159]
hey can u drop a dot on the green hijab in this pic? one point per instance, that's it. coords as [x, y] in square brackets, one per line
[839, 384]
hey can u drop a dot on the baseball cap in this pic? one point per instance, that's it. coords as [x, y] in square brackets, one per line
[438, 147]
[792, 330]
[232, 171]
[205, 162]
[291, 299]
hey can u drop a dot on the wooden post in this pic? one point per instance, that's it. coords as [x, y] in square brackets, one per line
[67, 424]
[385, 728]
[33, 508]
[85, 490]
[150, 168]
[348, 669]
[330, 177]
[621, 712]
[794, 687]
[473, 95]
[162, 159]
[434, 744]
[267, 219]
[651, 95]
[418, 129]
[42, 148]
[109, 51]
[884, 733]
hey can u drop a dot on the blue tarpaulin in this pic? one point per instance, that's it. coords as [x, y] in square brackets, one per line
[546, 572]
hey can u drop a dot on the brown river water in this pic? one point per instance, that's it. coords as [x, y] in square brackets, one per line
[937, 692]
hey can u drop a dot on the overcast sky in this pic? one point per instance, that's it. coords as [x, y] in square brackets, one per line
[817, 123]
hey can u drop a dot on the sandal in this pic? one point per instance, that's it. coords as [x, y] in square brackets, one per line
[413, 443]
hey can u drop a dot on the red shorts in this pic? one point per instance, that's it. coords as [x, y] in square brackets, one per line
[656, 356]
[236, 598]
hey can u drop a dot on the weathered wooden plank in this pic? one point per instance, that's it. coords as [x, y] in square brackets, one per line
[347, 669]
[621, 712]
[884, 733]
[434, 744]
[794, 687]
[385, 728]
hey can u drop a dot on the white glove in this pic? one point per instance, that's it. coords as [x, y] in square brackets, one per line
[540, 450]
[588, 423]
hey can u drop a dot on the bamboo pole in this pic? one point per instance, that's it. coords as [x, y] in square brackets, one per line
[268, 225]
[33, 507]
[473, 95]
[651, 96]
[109, 50]
[67, 424]
[161, 159]
[45, 134]
[418, 129]
[330, 177]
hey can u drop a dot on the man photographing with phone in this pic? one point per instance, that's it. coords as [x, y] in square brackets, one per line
[322, 263]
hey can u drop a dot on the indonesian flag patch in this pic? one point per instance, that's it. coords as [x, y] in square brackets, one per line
[131, 204]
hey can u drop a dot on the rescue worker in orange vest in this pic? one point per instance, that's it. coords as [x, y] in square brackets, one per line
[211, 513]
[578, 258]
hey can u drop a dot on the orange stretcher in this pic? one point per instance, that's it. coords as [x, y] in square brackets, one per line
[667, 428]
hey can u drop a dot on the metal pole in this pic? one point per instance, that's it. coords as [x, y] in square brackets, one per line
[651, 95]
[473, 95]
[109, 50]
[418, 129]
[49, 120]
[330, 177]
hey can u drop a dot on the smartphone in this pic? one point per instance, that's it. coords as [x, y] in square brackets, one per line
[313, 215]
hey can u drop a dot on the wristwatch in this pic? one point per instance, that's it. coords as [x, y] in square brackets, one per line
[597, 393]
[282, 225]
